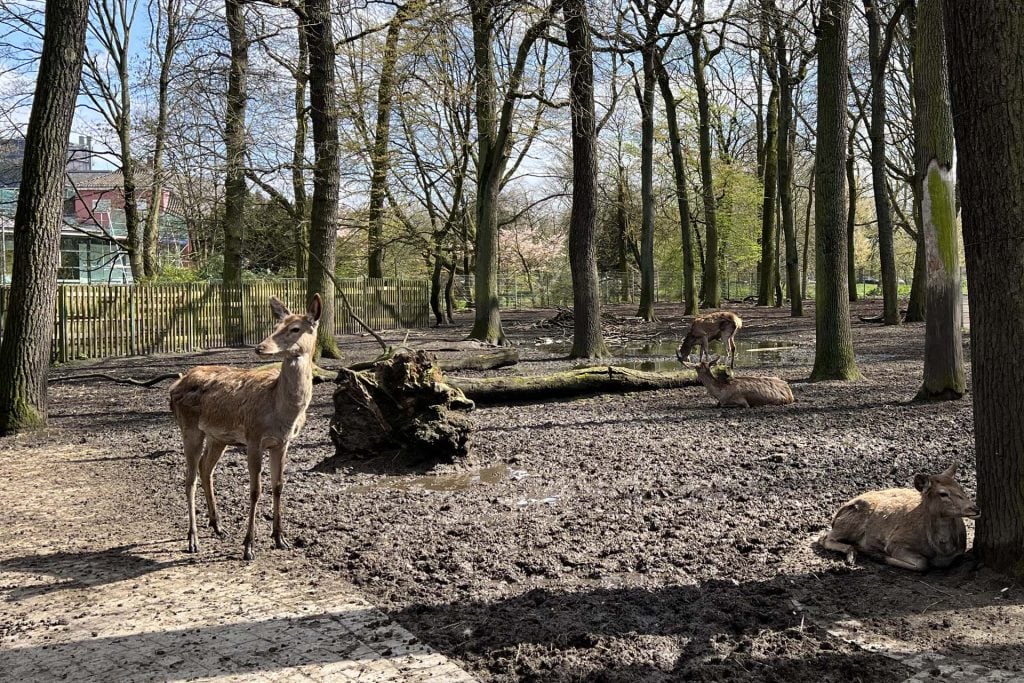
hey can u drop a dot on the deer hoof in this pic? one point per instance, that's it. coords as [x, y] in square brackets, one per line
[281, 544]
[216, 529]
[249, 555]
[851, 556]
[193, 544]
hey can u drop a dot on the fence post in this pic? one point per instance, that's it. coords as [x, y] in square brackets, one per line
[62, 316]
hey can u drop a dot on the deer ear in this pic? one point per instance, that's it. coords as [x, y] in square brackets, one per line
[950, 471]
[279, 310]
[922, 482]
[316, 309]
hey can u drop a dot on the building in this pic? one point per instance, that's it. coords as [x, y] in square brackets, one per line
[94, 230]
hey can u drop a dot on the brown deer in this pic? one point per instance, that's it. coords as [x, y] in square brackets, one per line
[742, 392]
[260, 409]
[707, 328]
[906, 528]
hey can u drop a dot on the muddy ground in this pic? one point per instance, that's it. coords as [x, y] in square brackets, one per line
[641, 537]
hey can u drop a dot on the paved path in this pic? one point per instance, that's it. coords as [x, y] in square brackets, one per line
[93, 588]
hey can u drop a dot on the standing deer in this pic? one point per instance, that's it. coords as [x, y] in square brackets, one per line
[742, 392]
[707, 328]
[261, 409]
[906, 528]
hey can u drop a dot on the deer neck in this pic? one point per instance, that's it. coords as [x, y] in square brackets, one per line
[294, 388]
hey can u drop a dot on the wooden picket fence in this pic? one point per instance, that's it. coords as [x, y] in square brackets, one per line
[102, 321]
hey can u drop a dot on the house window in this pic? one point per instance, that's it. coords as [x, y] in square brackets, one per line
[70, 260]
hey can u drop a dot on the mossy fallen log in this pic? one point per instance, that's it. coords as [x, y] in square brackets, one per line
[580, 381]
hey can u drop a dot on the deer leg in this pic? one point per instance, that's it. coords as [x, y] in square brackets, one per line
[193, 446]
[847, 549]
[278, 458]
[214, 449]
[255, 460]
[730, 346]
[904, 559]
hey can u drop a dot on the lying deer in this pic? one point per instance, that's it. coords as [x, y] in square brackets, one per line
[908, 529]
[743, 392]
[261, 409]
[707, 328]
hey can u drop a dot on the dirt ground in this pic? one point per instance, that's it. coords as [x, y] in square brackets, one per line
[641, 537]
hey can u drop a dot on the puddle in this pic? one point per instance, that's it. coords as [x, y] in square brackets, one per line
[660, 355]
[441, 482]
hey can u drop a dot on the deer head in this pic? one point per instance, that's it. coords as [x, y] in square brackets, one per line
[942, 495]
[295, 334]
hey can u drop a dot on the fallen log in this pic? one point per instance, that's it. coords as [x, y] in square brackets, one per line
[482, 361]
[580, 381]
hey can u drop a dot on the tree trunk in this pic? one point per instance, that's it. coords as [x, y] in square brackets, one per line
[944, 376]
[876, 131]
[985, 43]
[449, 292]
[234, 182]
[917, 307]
[323, 222]
[380, 156]
[833, 354]
[771, 168]
[646, 309]
[711, 286]
[28, 328]
[622, 234]
[437, 265]
[690, 304]
[587, 340]
[490, 166]
[807, 230]
[786, 85]
[172, 10]
[851, 215]
[300, 202]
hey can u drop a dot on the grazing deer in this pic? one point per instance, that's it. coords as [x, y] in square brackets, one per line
[743, 392]
[261, 409]
[706, 328]
[906, 528]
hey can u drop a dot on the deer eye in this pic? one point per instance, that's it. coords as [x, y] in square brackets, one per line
[296, 329]
[944, 494]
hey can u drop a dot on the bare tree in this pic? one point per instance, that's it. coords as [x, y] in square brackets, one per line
[28, 327]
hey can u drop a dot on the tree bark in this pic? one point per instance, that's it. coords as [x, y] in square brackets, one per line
[833, 353]
[785, 181]
[690, 303]
[581, 381]
[711, 285]
[770, 186]
[646, 97]
[300, 202]
[28, 329]
[985, 43]
[380, 154]
[172, 13]
[234, 183]
[944, 376]
[917, 306]
[851, 215]
[587, 340]
[876, 131]
[323, 222]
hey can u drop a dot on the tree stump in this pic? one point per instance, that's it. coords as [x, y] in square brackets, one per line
[400, 405]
